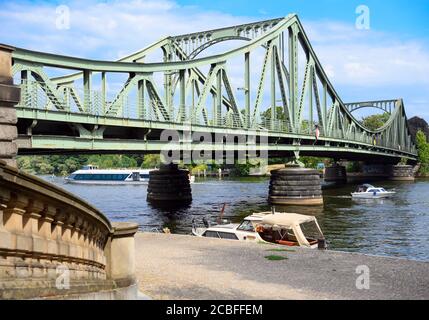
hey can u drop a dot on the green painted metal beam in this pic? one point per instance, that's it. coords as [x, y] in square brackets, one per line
[179, 66]
[113, 145]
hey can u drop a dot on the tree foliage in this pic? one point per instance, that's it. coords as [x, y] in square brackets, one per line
[64, 165]
[375, 121]
[279, 112]
[313, 162]
[151, 161]
[423, 151]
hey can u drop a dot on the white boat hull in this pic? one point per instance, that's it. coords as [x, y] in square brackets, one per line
[365, 195]
[113, 182]
[105, 183]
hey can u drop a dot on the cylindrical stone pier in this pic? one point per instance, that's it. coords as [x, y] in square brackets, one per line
[401, 173]
[295, 186]
[336, 173]
[169, 186]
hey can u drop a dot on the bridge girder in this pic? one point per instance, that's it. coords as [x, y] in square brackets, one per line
[169, 91]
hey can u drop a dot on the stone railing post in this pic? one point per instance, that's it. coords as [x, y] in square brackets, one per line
[120, 253]
[9, 97]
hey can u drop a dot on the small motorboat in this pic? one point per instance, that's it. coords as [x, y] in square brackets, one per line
[288, 229]
[367, 191]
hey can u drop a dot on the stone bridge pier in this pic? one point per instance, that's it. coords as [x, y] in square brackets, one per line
[9, 97]
[371, 172]
[295, 186]
[402, 173]
[336, 173]
[169, 187]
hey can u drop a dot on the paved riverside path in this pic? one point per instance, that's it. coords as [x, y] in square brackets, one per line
[185, 267]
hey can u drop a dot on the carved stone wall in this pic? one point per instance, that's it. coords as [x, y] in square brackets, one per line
[55, 244]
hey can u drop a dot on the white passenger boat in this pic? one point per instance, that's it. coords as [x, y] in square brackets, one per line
[288, 229]
[91, 175]
[367, 191]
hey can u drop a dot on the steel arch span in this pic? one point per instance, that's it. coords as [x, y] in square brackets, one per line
[180, 83]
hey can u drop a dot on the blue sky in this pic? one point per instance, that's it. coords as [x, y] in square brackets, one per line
[405, 17]
[390, 60]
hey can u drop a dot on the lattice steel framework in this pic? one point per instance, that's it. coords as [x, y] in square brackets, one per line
[185, 88]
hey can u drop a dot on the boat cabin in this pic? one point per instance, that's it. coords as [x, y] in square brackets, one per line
[290, 229]
[363, 187]
[369, 189]
[89, 167]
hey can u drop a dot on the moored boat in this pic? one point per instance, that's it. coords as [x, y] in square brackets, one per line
[288, 229]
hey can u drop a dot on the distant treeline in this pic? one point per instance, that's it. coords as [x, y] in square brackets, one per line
[64, 165]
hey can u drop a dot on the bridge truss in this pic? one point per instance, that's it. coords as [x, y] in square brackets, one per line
[285, 95]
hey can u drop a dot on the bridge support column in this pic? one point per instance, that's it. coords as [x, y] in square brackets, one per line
[336, 173]
[295, 186]
[9, 97]
[401, 173]
[169, 186]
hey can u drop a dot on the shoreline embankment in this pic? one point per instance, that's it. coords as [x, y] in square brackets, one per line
[186, 267]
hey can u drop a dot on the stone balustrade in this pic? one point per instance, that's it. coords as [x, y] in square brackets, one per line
[55, 244]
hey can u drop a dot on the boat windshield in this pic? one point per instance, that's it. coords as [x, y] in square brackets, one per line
[246, 225]
[311, 231]
[361, 189]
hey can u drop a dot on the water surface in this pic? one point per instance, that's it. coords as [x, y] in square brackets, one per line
[396, 227]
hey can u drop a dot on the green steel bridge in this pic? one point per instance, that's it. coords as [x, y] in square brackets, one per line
[179, 83]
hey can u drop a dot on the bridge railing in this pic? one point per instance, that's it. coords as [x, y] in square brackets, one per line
[35, 95]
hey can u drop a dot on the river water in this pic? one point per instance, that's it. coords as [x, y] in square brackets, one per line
[396, 227]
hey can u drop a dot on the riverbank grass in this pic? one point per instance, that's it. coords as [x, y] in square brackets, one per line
[275, 258]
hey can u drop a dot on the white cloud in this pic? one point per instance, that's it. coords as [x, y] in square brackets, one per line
[368, 58]
[104, 30]
[368, 64]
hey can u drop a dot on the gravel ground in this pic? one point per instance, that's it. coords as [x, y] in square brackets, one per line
[185, 267]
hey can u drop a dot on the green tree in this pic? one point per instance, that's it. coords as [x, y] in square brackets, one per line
[312, 162]
[151, 161]
[279, 111]
[375, 121]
